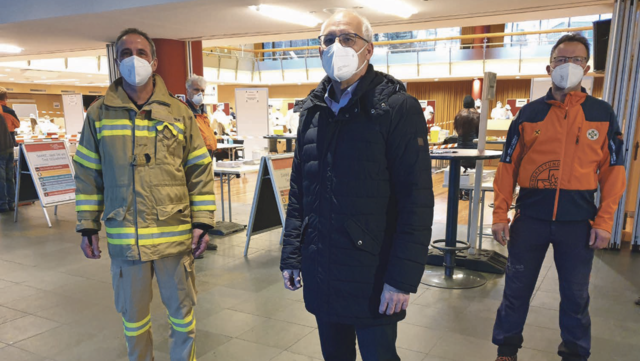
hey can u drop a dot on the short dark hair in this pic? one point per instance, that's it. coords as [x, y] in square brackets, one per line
[572, 38]
[130, 31]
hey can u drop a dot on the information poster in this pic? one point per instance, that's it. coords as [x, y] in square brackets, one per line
[52, 173]
[281, 176]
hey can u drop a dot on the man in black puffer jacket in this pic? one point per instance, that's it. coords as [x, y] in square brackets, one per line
[361, 204]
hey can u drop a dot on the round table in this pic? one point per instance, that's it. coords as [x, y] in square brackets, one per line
[450, 277]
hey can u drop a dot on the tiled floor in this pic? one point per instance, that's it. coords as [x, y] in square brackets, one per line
[57, 305]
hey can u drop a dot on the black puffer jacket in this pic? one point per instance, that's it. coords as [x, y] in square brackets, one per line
[361, 202]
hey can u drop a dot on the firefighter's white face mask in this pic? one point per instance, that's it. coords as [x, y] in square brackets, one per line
[341, 63]
[567, 76]
[135, 71]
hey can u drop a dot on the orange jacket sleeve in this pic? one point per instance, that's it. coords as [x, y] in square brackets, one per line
[612, 176]
[507, 173]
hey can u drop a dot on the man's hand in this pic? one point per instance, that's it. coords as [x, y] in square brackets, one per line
[501, 233]
[599, 238]
[292, 280]
[91, 247]
[393, 300]
[199, 246]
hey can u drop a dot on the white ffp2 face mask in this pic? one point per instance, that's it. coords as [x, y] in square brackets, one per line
[567, 76]
[198, 99]
[135, 71]
[341, 63]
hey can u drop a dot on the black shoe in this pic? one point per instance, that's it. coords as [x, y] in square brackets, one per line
[638, 301]
[507, 358]
[212, 247]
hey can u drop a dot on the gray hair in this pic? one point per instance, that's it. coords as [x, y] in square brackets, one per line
[367, 31]
[196, 79]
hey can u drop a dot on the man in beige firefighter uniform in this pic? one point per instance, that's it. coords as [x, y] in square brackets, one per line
[142, 161]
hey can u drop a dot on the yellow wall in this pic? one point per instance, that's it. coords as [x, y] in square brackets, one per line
[52, 89]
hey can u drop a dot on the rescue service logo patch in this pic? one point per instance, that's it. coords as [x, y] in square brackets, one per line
[546, 176]
[593, 134]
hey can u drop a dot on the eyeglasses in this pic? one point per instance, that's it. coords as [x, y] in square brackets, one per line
[579, 60]
[347, 40]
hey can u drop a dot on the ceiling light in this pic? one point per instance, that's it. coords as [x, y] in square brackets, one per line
[44, 77]
[89, 76]
[517, 77]
[11, 49]
[7, 70]
[396, 8]
[2, 75]
[11, 79]
[54, 80]
[288, 15]
[437, 79]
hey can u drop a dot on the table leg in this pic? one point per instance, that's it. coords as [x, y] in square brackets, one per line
[222, 193]
[481, 219]
[451, 235]
[469, 216]
[229, 187]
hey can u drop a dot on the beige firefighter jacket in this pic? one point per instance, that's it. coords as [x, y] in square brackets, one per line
[148, 171]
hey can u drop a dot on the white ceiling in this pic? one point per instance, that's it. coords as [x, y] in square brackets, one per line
[44, 27]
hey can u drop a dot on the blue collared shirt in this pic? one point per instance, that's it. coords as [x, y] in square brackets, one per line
[344, 99]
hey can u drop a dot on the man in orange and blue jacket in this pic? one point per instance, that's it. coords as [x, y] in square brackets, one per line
[558, 150]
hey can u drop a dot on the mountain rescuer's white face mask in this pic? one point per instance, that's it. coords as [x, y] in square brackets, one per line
[567, 76]
[341, 63]
[198, 99]
[135, 71]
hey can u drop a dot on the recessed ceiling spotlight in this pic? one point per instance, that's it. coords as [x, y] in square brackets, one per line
[11, 79]
[7, 70]
[517, 77]
[436, 79]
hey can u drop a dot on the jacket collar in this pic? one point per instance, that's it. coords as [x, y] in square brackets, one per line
[371, 79]
[573, 99]
[116, 96]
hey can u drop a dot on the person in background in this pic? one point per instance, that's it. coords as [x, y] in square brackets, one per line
[559, 149]
[196, 86]
[467, 126]
[10, 116]
[232, 113]
[428, 114]
[7, 177]
[156, 194]
[479, 105]
[499, 112]
[356, 231]
[507, 109]
[35, 127]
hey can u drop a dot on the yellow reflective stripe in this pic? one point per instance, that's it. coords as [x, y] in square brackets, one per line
[198, 152]
[145, 123]
[145, 133]
[139, 332]
[112, 122]
[89, 208]
[121, 242]
[86, 163]
[182, 321]
[121, 230]
[179, 125]
[136, 324]
[184, 329]
[183, 227]
[193, 352]
[148, 242]
[89, 197]
[203, 208]
[211, 197]
[107, 133]
[87, 152]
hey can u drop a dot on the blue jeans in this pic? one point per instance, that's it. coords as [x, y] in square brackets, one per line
[530, 239]
[7, 181]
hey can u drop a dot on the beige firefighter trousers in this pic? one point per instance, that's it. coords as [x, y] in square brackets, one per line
[133, 293]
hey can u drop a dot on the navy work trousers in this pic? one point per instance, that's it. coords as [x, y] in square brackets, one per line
[529, 241]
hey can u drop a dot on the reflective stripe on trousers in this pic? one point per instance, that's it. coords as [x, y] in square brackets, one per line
[133, 294]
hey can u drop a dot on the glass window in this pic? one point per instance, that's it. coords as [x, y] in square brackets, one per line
[605, 16]
[546, 39]
[525, 40]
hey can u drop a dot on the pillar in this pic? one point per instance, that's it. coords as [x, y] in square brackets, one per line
[176, 58]
[484, 29]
